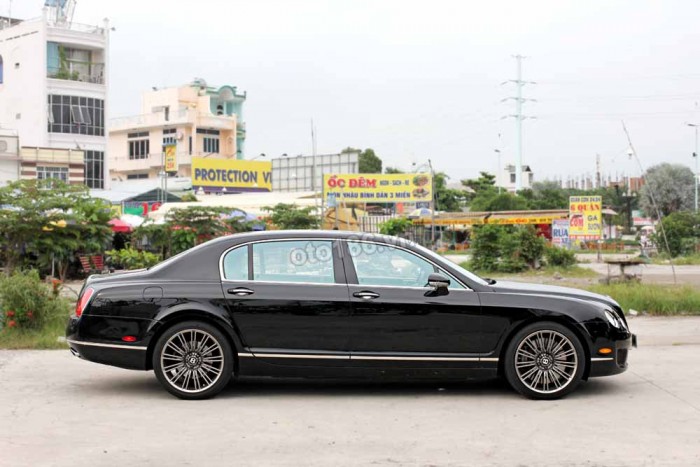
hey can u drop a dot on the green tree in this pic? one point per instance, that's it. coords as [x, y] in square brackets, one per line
[485, 183]
[672, 186]
[290, 216]
[368, 161]
[682, 232]
[446, 199]
[50, 220]
[393, 170]
[488, 201]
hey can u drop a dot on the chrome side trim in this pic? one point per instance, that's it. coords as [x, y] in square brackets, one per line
[310, 356]
[602, 359]
[111, 346]
[415, 359]
[411, 358]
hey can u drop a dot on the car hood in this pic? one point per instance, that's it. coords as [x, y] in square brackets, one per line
[541, 289]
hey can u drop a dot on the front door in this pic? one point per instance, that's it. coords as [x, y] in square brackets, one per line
[289, 300]
[396, 316]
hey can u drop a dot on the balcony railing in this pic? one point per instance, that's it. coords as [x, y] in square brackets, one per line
[79, 71]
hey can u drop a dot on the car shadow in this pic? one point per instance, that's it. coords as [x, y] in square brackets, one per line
[145, 385]
[254, 388]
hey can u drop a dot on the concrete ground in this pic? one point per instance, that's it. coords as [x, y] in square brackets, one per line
[56, 410]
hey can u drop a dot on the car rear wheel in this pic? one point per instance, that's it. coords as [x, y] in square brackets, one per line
[193, 360]
[544, 361]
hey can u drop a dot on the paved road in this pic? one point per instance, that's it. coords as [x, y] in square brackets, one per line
[58, 410]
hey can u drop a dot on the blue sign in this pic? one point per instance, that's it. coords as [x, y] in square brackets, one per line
[560, 232]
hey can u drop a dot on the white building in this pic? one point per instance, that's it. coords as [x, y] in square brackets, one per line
[9, 156]
[53, 92]
[507, 178]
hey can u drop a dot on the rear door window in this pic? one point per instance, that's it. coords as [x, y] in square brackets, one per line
[298, 261]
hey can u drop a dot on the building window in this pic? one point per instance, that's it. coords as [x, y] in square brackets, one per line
[136, 176]
[139, 145]
[169, 137]
[94, 169]
[211, 145]
[76, 115]
[512, 178]
[57, 173]
[210, 142]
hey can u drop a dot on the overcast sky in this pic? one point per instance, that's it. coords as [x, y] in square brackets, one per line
[421, 79]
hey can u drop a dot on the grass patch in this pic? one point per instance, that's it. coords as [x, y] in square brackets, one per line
[690, 260]
[45, 338]
[654, 299]
[570, 272]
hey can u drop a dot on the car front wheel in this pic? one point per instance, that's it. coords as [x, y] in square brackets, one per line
[193, 360]
[544, 361]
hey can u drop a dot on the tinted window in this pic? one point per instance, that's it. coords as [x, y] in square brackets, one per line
[236, 264]
[377, 264]
[294, 261]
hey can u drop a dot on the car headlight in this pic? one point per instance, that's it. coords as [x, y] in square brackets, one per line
[613, 319]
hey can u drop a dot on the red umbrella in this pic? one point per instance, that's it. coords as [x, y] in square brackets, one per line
[119, 225]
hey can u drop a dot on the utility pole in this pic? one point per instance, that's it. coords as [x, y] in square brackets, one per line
[598, 180]
[519, 117]
[313, 169]
[695, 156]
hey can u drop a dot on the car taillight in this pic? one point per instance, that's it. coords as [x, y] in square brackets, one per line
[83, 301]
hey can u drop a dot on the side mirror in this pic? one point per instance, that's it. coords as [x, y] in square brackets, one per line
[438, 281]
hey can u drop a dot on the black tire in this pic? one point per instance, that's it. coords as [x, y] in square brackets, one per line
[544, 371]
[202, 369]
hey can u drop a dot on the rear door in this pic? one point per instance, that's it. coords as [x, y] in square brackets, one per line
[289, 299]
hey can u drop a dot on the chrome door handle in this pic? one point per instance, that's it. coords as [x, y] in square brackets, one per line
[366, 295]
[240, 291]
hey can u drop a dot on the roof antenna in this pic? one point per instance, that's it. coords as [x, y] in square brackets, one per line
[633, 153]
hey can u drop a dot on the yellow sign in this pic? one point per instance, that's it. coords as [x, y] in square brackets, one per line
[378, 188]
[523, 220]
[231, 174]
[585, 217]
[171, 158]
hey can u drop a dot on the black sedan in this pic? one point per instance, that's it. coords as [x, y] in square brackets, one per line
[341, 305]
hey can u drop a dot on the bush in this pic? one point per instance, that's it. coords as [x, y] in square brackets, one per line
[682, 232]
[28, 303]
[499, 248]
[130, 258]
[395, 226]
[556, 256]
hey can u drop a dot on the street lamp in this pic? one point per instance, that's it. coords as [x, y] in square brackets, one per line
[259, 157]
[695, 156]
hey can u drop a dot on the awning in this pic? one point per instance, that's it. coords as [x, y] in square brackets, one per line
[119, 226]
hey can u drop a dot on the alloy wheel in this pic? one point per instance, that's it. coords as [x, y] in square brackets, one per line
[546, 361]
[192, 360]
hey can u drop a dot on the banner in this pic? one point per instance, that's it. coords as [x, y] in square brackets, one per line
[585, 217]
[171, 158]
[560, 232]
[231, 175]
[378, 188]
